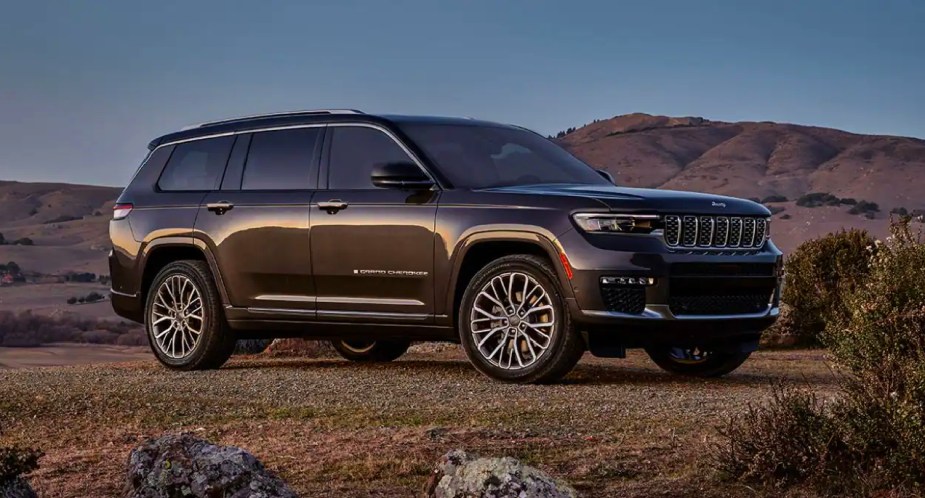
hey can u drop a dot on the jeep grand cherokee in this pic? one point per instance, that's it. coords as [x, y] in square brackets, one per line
[374, 231]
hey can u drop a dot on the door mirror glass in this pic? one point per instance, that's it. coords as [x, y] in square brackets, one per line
[402, 175]
[607, 175]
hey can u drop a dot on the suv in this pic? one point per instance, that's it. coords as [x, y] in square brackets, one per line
[376, 231]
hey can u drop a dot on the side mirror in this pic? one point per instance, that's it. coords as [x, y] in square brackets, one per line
[403, 175]
[607, 176]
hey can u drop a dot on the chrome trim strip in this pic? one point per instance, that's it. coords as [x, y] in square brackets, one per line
[373, 314]
[661, 312]
[285, 311]
[307, 112]
[285, 297]
[370, 300]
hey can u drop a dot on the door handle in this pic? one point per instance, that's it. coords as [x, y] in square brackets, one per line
[332, 206]
[220, 207]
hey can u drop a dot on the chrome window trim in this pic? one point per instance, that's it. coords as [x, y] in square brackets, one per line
[389, 133]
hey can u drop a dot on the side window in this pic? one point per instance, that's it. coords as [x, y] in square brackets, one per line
[355, 151]
[196, 165]
[281, 160]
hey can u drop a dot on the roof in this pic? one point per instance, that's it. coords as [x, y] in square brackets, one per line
[295, 118]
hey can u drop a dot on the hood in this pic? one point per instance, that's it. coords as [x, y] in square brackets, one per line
[637, 200]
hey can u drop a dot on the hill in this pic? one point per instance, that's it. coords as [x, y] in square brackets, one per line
[68, 225]
[759, 160]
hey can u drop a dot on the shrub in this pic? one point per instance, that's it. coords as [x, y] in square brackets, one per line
[864, 207]
[785, 216]
[870, 441]
[26, 329]
[774, 198]
[72, 300]
[2, 240]
[776, 209]
[818, 274]
[62, 219]
[816, 199]
[849, 201]
[25, 241]
[94, 297]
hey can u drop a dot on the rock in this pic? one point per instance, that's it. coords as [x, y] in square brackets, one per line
[185, 466]
[252, 346]
[16, 487]
[461, 475]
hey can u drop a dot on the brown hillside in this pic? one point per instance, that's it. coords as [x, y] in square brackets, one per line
[756, 160]
[67, 223]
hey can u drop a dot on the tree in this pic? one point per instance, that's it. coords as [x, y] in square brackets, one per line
[13, 268]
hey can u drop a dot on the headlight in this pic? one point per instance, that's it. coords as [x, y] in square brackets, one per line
[616, 223]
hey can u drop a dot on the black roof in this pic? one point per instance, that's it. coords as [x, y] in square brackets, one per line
[305, 117]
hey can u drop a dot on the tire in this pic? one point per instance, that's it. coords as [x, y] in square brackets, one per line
[370, 351]
[706, 364]
[524, 334]
[215, 342]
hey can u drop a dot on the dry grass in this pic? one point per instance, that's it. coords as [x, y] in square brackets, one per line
[614, 428]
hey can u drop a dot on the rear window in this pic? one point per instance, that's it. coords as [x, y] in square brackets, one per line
[281, 160]
[196, 165]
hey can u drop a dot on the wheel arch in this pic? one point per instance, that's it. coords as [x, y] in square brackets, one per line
[161, 252]
[480, 249]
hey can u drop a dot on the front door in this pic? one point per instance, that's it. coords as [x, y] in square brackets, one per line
[372, 248]
[257, 224]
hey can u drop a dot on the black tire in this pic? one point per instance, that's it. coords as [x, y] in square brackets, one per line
[564, 346]
[714, 364]
[216, 341]
[370, 351]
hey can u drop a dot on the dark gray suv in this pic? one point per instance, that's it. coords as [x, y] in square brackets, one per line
[374, 231]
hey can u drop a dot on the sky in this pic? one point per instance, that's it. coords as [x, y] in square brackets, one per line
[85, 85]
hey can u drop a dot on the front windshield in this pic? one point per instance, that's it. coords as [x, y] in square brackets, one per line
[477, 156]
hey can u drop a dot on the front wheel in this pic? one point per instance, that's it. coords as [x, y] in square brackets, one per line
[372, 351]
[514, 323]
[696, 362]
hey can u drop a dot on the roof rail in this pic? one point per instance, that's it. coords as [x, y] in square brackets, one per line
[276, 115]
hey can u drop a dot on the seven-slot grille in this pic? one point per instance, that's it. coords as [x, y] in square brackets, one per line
[715, 231]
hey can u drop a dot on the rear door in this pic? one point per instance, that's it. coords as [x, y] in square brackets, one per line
[372, 248]
[257, 223]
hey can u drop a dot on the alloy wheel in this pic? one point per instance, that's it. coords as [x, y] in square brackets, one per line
[512, 321]
[177, 317]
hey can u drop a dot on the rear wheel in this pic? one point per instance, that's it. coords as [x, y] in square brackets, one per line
[696, 362]
[514, 323]
[373, 351]
[184, 320]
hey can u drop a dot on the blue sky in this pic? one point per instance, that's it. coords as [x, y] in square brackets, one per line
[84, 85]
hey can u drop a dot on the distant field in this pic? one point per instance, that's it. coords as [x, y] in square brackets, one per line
[331, 428]
[53, 355]
[50, 299]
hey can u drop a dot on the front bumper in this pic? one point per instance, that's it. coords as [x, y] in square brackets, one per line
[691, 297]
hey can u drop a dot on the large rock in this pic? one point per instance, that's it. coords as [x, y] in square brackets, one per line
[184, 466]
[461, 475]
[16, 487]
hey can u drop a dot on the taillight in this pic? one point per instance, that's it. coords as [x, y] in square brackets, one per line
[120, 211]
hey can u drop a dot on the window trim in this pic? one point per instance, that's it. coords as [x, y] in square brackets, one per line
[323, 166]
[218, 182]
[326, 159]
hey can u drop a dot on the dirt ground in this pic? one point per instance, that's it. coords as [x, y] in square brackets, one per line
[332, 428]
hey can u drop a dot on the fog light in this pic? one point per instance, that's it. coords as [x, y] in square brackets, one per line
[637, 281]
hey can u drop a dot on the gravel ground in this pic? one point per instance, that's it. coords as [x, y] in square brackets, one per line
[613, 428]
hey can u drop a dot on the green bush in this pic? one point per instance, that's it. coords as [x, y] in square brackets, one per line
[865, 208]
[818, 274]
[870, 441]
[816, 199]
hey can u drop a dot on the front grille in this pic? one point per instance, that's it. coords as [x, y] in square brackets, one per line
[734, 304]
[624, 299]
[683, 231]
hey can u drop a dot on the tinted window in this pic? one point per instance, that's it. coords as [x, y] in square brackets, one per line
[474, 156]
[232, 178]
[281, 160]
[355, 151]
[196, 165]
